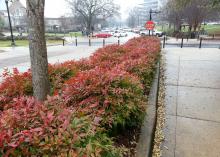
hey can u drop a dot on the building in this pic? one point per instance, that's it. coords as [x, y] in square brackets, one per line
[3, 15]
[1, 22]
[18, 15]
[153, 4]
[19, 19]
[61, 24]
[144, 9]
[52, 24]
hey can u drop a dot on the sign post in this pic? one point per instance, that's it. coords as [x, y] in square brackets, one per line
[150, 26]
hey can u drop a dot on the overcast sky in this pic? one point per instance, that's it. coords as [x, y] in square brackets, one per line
[57, 8]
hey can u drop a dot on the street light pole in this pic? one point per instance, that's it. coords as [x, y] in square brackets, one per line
[9, 19]
[151, 12]
[150, 18]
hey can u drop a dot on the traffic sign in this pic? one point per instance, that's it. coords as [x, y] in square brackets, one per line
[150, 25]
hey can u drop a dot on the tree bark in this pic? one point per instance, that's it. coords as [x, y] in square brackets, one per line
[38, 49]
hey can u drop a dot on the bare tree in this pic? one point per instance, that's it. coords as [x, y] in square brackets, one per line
[133, 17]
[38, 50]
[196, 12]
[90, 10]
[173, 14]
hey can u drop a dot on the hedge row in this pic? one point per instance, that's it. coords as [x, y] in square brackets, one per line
[89, 100]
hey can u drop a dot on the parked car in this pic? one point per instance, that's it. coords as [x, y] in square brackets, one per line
[158, 33]
[136, 30]
[103, 35]
[144, 32]
[127, 29]
[155, 32]
[120, 34]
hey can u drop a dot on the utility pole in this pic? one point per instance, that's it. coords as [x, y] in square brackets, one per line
[9, 19]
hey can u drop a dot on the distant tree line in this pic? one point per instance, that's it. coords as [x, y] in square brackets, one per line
[133, 19]
[191, 12]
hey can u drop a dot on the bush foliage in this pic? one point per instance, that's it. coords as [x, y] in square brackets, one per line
[89, 100]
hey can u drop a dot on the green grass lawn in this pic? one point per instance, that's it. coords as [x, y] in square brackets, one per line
[162, 28]
[25, 43]
[211, 29]
[56, 34]
[73, 34]
[165, 28]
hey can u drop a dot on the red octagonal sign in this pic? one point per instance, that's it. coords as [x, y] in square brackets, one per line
[149, 25]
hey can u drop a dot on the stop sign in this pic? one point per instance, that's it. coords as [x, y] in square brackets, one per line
[149, 25]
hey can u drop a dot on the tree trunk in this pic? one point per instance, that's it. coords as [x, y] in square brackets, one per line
[170, 25]
[195, 27]
[89, 26]
[190, 28]
[38, 50]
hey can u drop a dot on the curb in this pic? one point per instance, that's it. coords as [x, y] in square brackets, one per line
[145, 144]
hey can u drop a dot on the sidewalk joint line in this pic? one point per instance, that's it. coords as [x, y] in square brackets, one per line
[170, 114]
[206, 120]
[168, 84]
[188, 60]
[177, 105]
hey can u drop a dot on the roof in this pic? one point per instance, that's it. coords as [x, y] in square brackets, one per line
[16, 4]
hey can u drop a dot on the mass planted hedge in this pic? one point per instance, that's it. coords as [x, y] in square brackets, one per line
[90, 101]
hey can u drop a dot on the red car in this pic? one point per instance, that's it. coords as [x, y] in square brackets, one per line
[103, 35]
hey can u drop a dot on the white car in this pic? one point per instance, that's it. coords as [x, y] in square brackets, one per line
[136, 30]
[127, 29]
[145, 32]
[120, 34]
[155, 32]
[158, 33]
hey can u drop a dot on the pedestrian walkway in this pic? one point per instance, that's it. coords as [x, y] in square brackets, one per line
[192, 100]
[193, 43]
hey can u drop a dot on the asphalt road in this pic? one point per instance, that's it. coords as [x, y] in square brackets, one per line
[19, 56]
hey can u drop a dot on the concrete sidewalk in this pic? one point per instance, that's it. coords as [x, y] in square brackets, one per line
[192, 103]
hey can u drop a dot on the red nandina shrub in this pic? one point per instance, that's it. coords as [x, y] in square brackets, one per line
[82, 65]
[115, 96]
[14, 84]
[96, 96]
[140, 68]
[107, 57]
[151, 43]
[59, 73]
[31, 128]
[17, 84]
